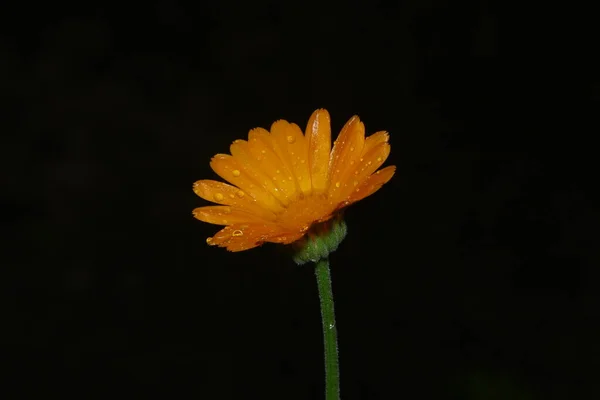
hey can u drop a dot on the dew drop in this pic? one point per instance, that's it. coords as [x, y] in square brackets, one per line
[361, 159]
[355, 183]
[237, 232]
[278, 171]
[240, 194]
[302, 161]
[378, 159]
[300, 177]
[337, 184]
[236, 172]
[226, 210]
[289, 178]
[218, 196]
[225, 222]
[263, 151]
[209, 240]
[231, 195]
[351, 148]
[291, 139]
[351, 162]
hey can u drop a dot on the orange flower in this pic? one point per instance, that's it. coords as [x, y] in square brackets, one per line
[283, 181]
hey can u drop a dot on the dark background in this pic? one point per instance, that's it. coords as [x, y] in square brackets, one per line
[472, 275]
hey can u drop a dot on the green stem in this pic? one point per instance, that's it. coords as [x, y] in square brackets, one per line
[332, 372]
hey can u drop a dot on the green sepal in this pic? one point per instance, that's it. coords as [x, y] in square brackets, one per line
[322, 240]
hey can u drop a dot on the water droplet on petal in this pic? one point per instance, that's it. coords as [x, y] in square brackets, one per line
[237, 232]
[355, 183]
[226, 210]
[361, 159]
[378, 159]
[231, 196]
[351, 148]
[291, 139]
[209, 240]
[218, 196]
[240, 194]
[351, 162]
[337, 184]
[236, 172]
[278, 171]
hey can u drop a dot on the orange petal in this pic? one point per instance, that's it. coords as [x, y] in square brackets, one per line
[318, 137]
[372, 184]
[290, 145]
[240, 151]
[229, 169]
[239, 237]
[224, 237]
[367, 165]
[346, 152]
[224, 215]
[375, 139]
[222, 193]
[261, 147]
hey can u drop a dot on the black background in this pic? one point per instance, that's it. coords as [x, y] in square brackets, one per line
[473, 274]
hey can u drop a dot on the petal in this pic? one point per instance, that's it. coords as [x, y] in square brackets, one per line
[229, 169]
[260, 144]
[372, 184]
[224, 215]
[346, 152]
[222, 193]
[290, 145]
[367, 165]
[234, 238]
[239, 237]
[374, 140]
[240, 151]
[318, 138]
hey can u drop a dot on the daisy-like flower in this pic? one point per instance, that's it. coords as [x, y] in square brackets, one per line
[284, 182]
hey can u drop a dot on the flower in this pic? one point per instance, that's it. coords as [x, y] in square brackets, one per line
[284, 182]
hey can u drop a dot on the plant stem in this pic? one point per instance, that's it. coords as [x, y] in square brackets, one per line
[332, 373]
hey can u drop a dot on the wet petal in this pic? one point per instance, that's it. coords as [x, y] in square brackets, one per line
[260, 144]
[290, 145]
[240, 151]
[239, 237]
[367, 165]
[224, 215]
[222, 193]
[229, 169]
[318, 137]
[372, 184]
[375, 139]
[346, 152]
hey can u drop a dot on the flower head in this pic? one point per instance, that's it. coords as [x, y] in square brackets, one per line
[283, 182]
